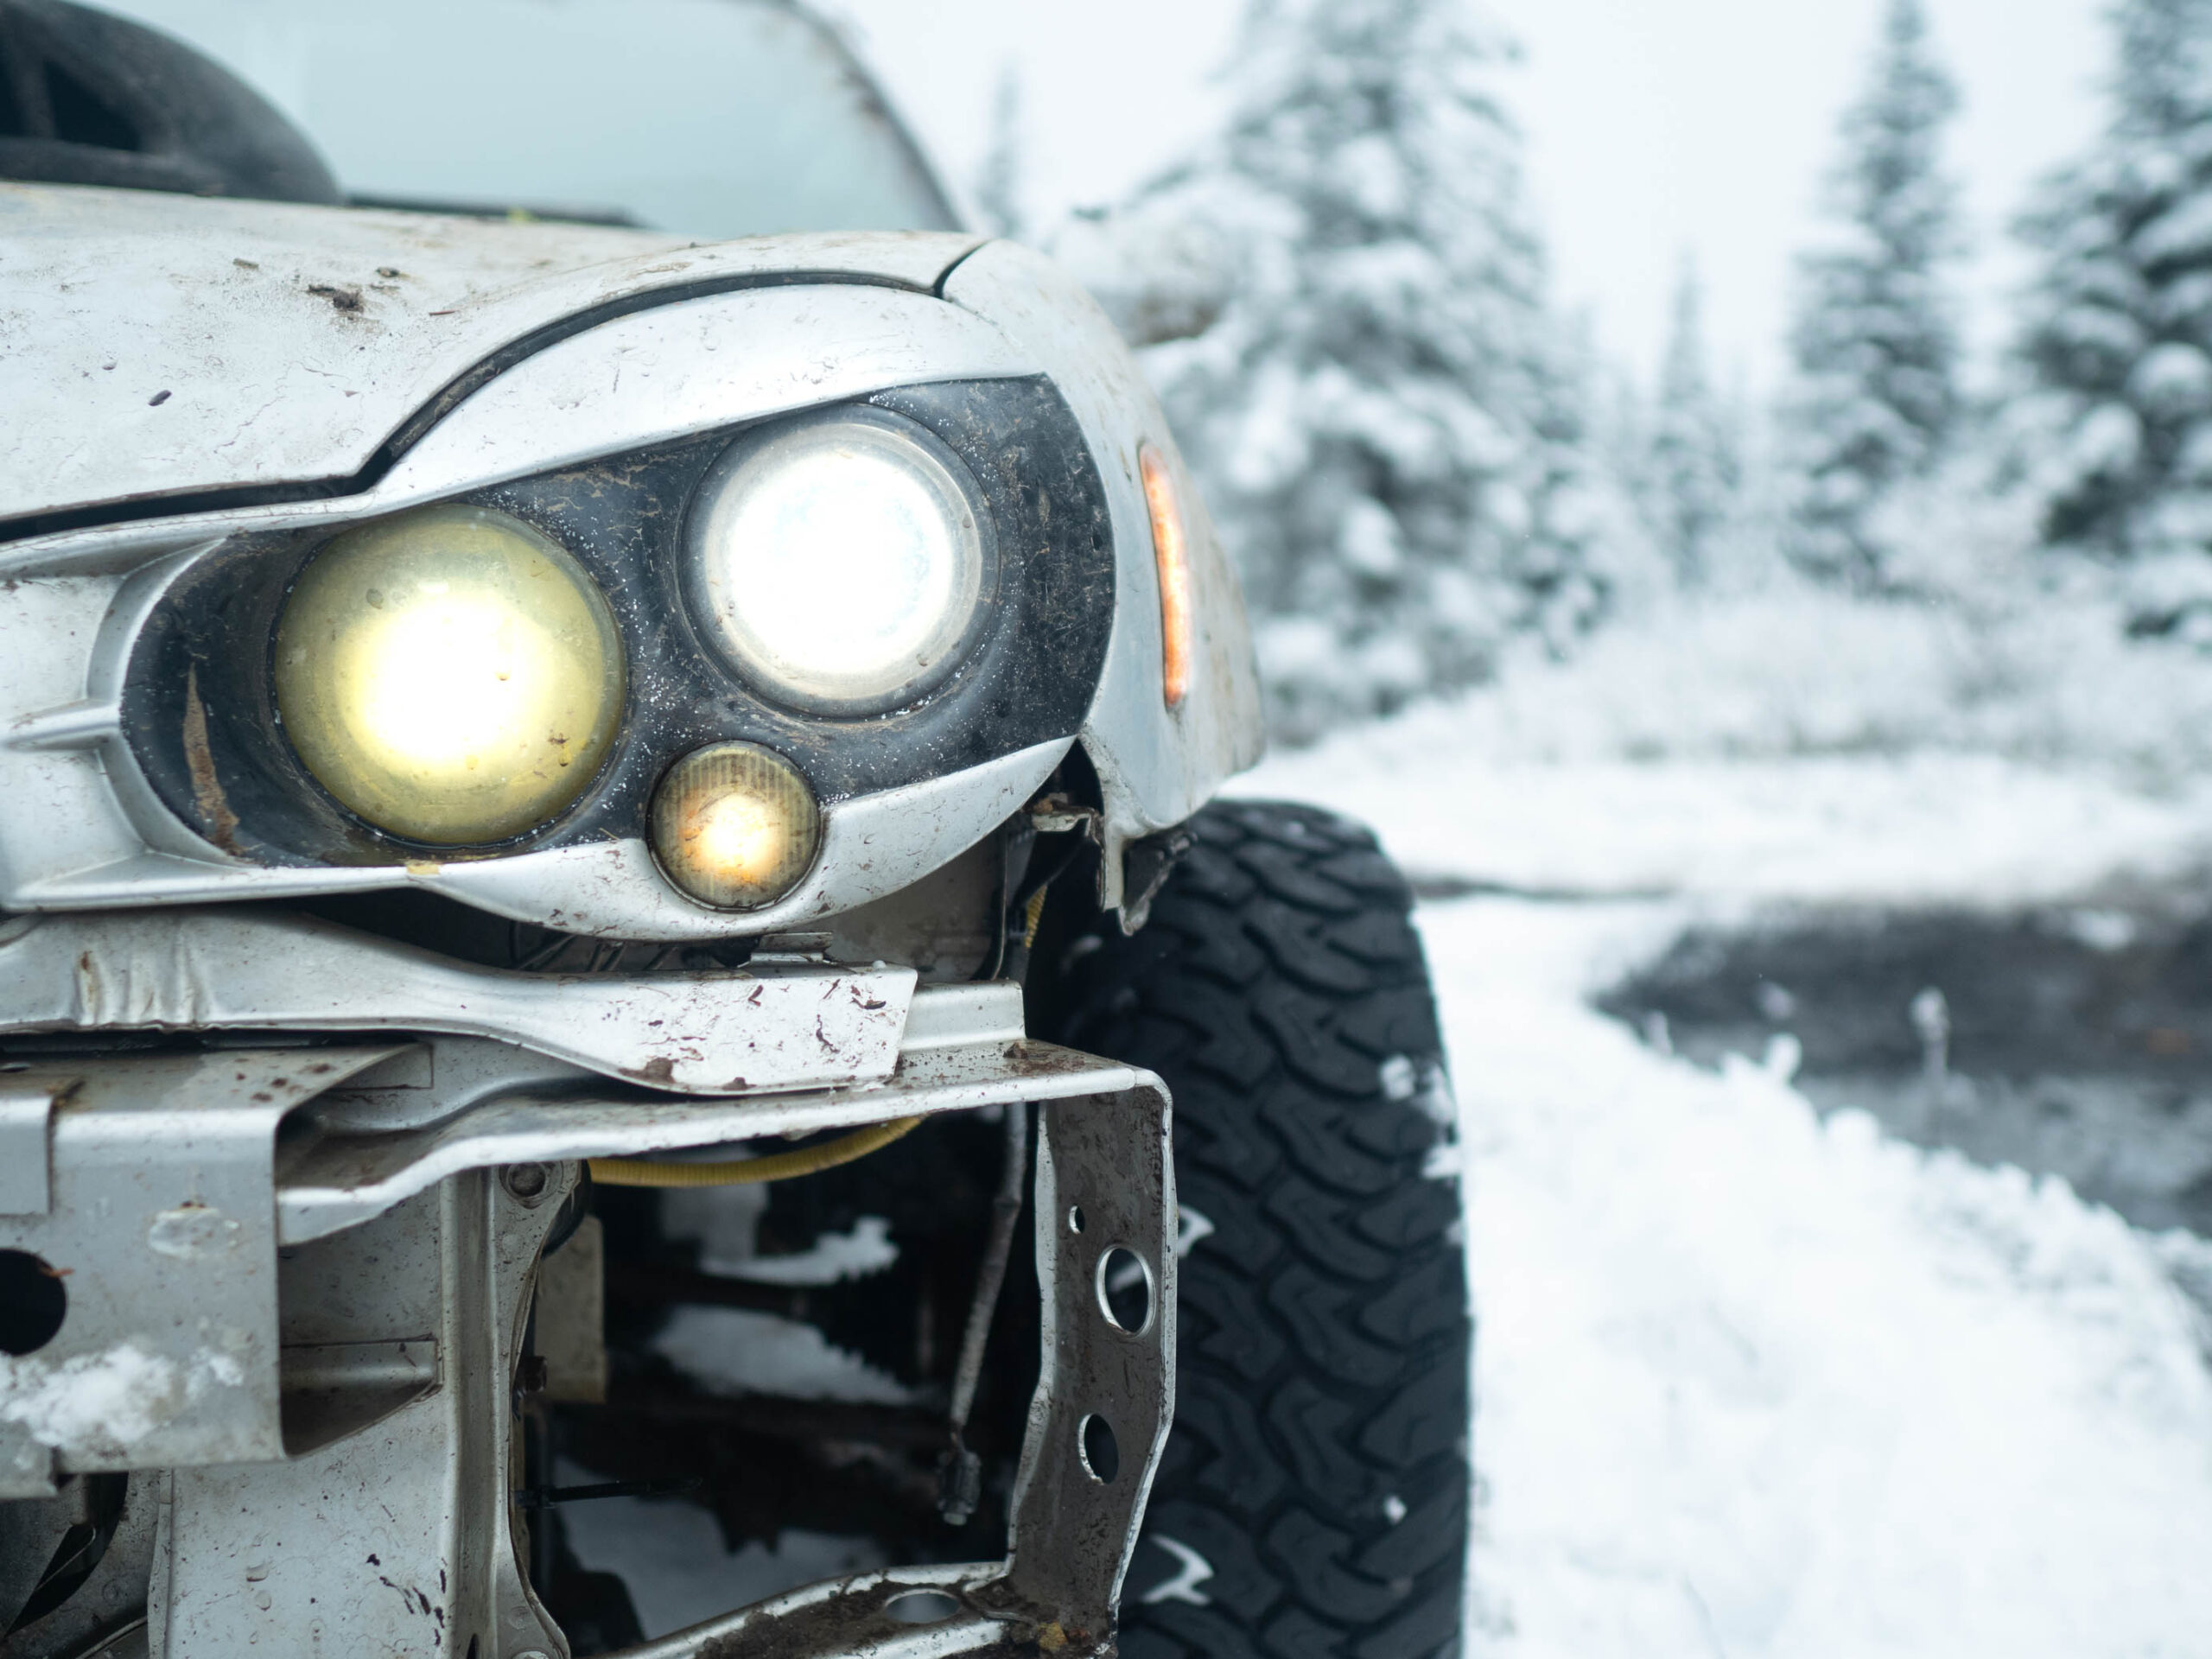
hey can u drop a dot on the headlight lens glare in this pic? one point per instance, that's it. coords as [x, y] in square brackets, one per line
[840, 561]
[736, 826]
[450, 674]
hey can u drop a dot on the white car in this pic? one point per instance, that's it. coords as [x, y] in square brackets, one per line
[574, 796]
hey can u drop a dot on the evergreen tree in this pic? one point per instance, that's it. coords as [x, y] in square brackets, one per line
[1876, 339]
[1379, 415]
[1693, 471]
[2121, 315]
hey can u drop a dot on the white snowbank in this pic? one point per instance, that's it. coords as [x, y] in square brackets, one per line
[1751, 1385]
[1787, 670]
[1943, 828]
[1799, 746]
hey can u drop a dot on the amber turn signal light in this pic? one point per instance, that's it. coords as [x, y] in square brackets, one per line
[1170, 550]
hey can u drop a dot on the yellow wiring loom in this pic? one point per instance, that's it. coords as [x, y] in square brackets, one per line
[777, 1167]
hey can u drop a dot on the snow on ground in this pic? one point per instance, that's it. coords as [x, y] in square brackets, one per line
[1753, 1385]
[669, 1553]
[1951, 828]
[1750, 1383]
[739, 1350]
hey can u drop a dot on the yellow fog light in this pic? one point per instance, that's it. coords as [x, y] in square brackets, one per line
[736, 826]
[450, 674]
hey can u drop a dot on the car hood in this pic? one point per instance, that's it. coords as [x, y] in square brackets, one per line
[161, 346]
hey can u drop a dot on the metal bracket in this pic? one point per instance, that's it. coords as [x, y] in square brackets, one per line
[26, 1186]
[402, 1539]
[779, 1026]
[332, 1177]
[1105, 1200]
[1108, 1158]
[162, 1236]
[320, 1349]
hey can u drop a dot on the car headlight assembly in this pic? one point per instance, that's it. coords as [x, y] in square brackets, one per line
[842, 562]
[450, 674]
[699, 648]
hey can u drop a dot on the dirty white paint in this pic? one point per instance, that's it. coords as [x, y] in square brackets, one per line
[159, 343]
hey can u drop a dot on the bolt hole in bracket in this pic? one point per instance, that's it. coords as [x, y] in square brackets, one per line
[33, 1302]
[1105, 1397]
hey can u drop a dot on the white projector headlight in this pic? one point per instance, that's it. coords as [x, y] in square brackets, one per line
[841, 561]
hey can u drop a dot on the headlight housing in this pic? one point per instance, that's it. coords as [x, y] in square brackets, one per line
[841, 562]
[450, 674]
[309, 774]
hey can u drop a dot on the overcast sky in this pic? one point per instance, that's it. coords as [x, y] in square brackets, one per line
[1657, 129]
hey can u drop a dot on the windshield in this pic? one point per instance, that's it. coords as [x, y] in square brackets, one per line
[712, 117]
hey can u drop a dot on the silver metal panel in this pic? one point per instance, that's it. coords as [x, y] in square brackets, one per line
[772, 1026]
[400, 1539]
[163, 1232]
[285, 351]
[25, 1109]
[977, 1013]
[49, 634]
[1156, 766]
[340, 1179]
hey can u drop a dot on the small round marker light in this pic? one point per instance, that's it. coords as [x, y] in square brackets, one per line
[736, 826]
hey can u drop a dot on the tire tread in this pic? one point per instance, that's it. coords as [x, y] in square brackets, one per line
[1325, 1336]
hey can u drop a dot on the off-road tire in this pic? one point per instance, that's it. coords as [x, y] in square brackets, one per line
[1319, 1462]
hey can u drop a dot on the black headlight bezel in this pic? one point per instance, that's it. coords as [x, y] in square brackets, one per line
[225, 767]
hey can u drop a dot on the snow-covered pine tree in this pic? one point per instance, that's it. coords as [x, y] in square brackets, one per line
[1876, 337]
[1379, 416]
[1692, 474]
[2120, 317]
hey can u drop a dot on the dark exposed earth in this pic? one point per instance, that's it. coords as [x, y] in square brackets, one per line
[2071, 1041]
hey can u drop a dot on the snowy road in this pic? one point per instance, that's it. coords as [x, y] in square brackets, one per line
[1750, 1383]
